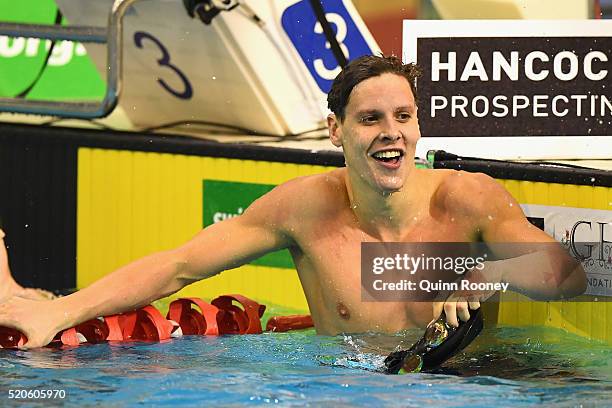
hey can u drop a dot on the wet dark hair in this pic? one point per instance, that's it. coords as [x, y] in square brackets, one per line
[363, 68]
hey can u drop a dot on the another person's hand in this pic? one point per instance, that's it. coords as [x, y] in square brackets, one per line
[34, 318]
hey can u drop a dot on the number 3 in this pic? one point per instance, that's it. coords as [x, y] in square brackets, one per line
[164, 61]
[340, 24]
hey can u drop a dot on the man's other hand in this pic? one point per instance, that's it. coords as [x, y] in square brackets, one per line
[33, 318]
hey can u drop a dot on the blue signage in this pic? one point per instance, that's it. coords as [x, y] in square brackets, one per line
[306, 34]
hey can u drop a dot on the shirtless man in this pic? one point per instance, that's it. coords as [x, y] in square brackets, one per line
[380, 196]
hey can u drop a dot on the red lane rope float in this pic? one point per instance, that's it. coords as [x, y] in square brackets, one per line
[222, 316]
[287, 323]
[190, 320]
[146, 324]
[234, 320]
[11, 338]
[93, 331]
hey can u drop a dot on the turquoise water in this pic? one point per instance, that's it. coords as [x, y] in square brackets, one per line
[504, 367]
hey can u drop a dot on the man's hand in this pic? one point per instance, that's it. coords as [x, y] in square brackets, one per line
[33, 318]
[457, 305]
[456, 308]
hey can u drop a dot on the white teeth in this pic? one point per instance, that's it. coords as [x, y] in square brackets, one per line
[390, 154]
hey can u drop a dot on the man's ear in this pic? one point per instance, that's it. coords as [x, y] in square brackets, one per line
[335, 133]
[418, 122]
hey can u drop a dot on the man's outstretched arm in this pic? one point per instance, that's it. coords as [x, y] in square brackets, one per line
[219, 247]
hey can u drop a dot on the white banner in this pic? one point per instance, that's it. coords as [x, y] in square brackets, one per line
[586, 233]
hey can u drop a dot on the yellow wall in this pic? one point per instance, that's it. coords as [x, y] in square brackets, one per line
[131, 204]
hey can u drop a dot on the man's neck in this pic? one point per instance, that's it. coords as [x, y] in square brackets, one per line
[385, 216]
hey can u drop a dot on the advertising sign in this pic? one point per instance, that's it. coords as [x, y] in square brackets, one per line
[587, 235]
[64, 72]
[544, 86]
[227, 199]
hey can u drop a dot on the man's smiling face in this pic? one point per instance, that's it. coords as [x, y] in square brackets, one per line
[379, 132]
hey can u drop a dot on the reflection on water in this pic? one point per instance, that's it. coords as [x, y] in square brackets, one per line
[509, 367]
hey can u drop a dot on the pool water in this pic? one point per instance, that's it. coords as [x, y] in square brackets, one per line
[503, 367]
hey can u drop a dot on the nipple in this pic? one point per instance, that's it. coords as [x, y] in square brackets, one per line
[343, 311]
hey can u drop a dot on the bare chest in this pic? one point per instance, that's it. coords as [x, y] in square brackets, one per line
[329, 264]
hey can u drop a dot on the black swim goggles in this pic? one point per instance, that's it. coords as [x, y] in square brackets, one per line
[440, 342]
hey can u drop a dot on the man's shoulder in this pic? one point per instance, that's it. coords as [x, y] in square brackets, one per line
[316, 193]
[470, 193]
[312, 186]
[459, 180]
[331, 178]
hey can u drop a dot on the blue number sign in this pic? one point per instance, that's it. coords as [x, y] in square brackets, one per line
[306, 34]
